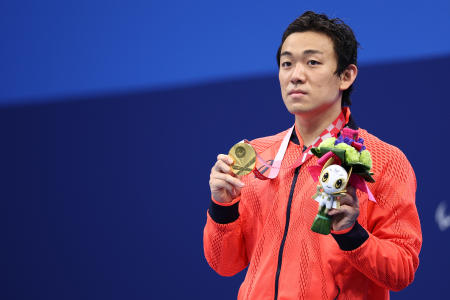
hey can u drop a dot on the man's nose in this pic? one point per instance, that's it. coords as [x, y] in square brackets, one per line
[298, 74]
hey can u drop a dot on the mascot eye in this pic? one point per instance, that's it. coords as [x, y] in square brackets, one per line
[338, 183]
[325, 177]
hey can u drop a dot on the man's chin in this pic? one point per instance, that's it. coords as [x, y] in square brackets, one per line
[299, 110]
[305, 109]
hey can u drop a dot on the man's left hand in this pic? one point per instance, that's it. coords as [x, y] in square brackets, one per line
[345, 216]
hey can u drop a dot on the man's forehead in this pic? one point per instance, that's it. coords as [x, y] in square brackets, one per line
[308, 42]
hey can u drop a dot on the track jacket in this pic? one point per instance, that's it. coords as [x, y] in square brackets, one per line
[267, 228]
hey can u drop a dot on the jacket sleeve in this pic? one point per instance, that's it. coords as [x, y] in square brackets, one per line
[387, 251]
[223, 238]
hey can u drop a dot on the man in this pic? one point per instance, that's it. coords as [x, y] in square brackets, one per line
[265, 224]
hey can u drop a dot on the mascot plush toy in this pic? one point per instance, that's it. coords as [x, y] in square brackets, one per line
[342, 161]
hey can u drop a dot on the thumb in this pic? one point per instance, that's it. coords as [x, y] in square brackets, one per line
[236, 192]
[351, 190]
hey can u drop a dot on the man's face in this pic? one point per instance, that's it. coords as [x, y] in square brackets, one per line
[307, 73]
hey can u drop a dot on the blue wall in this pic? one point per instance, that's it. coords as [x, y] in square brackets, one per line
[53, 49]
[106, 198]
[112, 114]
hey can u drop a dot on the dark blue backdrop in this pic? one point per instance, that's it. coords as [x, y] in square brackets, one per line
[106, 198]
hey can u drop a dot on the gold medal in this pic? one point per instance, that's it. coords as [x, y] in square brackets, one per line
[244, 157]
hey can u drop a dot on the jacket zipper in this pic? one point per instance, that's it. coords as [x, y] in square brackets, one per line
[286, 227]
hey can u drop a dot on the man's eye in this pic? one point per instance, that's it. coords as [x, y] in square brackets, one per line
[313, 62]
[286, 64]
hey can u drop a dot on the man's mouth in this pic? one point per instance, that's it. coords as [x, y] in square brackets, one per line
[297, 92]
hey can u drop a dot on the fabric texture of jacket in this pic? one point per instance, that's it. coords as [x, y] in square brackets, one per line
[267, 228]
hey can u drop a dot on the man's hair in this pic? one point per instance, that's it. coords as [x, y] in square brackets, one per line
[344, 41]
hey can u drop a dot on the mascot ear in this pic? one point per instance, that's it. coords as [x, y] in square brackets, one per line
[349, 174]
[329, 162]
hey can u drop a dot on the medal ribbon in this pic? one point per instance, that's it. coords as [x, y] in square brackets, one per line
[331, 131]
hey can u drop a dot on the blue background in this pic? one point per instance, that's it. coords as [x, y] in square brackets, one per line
[112, 114]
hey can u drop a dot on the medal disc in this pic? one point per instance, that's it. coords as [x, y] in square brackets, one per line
[244, 157]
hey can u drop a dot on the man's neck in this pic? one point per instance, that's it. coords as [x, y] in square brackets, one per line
[310, 125]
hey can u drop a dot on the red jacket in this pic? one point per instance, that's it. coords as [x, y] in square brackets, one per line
[267, 229]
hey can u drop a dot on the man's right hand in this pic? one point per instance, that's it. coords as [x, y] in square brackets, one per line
[224, 184]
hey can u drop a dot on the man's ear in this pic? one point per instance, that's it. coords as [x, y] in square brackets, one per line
[348, 77]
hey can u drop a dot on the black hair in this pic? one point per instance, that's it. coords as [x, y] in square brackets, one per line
[344, 41]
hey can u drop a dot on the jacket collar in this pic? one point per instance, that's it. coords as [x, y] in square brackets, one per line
[350, 123]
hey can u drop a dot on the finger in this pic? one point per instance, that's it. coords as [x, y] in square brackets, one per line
[349, 198]
[225, 158]
[334, 211]
[236, 192]
[217, 184]
[346, 200]
[228, 178]
[222, 167]
[351, 190]
[338, 211]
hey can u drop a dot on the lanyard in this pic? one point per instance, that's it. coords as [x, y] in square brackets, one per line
[331, 131]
